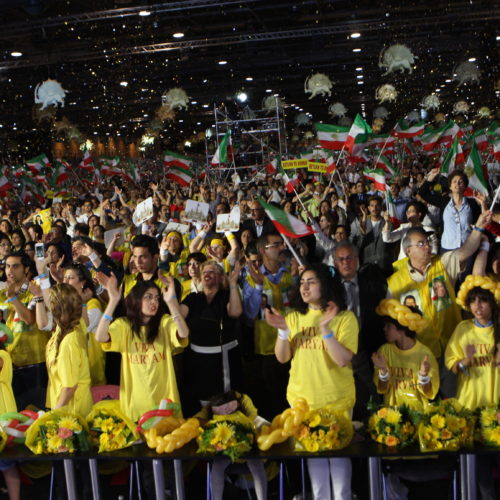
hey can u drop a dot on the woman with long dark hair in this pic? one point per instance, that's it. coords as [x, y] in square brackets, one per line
[320, 337]
[66, 353]
[145, 338]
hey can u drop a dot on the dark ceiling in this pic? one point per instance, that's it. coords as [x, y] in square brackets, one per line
[90, 46]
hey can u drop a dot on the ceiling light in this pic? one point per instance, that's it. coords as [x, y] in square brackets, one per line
[498, 38]
[447, 81]
[222, 62]
[356, 50]
[242, 97]
[359, 76]
[472, 59]
[144, 13]
[205, 105]
[123, 84]
[249, 79]
[355, 35]
[16, 53]
[268, 91]
[359, 69]
[361, 82]
[178, 34]
[194, 102]
[187, 144]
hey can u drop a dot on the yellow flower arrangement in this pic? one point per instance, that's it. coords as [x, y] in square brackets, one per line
[446, 425]
[232, 435]
[489, 419]
[57, 432]
[109, 428]
[392, 426]
[323, 430]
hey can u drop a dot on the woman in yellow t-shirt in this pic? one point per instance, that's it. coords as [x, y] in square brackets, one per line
[80, 279]
[66, 354]
[320, 337]
[145, 338]
[406, 371]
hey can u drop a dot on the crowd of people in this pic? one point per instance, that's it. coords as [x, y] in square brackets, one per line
[190, 314]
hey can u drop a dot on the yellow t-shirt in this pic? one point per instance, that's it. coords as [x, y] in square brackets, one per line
[404, 366]
[147, 371]
[313, 374]
[28, 346]
[130, 280]
[482, 386]
[7, 401]
[69, 368]
[97, 357]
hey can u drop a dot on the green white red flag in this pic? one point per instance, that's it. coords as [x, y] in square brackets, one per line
[60, 173]
[36, 164]
[332, 137]
[181, 175]
[474, 170]
[172, 159]
[5, 184]
[454, 157]
[87, 163]
[358, 137]
[290, 183]
[391, 209]
[286, 223]
[131, 173]
[383, 163]
[222, 154]
[377, 176]
[272, 166]
[405, 130]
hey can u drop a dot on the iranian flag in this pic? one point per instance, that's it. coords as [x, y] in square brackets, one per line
[391, 209]
[383, 163]
[496, 149]
[358, 137]
[60, 173]
[5, 184]
[494, 129]
[171, 159]
[131, 174]
[382, 141]
[481, 140]
[405, 130]
[377, 176]
[454, 157]
[408, 147]
[36, 164]
[450, 131]
[331, 165]
[285, 223]
[331, 137]
[467, 129]
[181, 175]
[289, 183]
[431, 137]
[272, 166]
[87, 163]
[474, 170]
[222, 155]
[109, 166]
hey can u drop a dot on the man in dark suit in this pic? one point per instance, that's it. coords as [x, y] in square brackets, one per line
[259, 224]
[364, 288]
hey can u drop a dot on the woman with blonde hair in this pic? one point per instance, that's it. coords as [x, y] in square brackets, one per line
[66, 353]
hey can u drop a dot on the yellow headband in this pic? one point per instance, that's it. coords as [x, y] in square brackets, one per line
[402, 314]
[175, 234]
[216, 242]
[471, 282]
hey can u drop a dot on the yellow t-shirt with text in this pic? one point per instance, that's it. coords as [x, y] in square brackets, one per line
[147, 371]
[7, 400]
[313, 373]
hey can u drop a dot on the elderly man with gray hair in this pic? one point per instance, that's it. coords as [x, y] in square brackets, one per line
[430, 280]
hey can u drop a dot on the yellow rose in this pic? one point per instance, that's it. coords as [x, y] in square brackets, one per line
[382, 413]
[391, 441]
[393, 416]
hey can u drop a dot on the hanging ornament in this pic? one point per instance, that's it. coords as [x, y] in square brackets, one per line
[466, 72]
[302, 119]
[377, 125]
[176, 98]
[271, 102]
[381, 112]
[156, 124]
[413, 116]
[460, 107]
[49, 93]
[62, 125]
[386, 92]
[40, 115]
[431, 102]
[165, 112]
[247, 113]
[318, 84]
[345, 121]
[73, 134]
[337, 109]
[295, 138]
[440, 118]
[309, 135]
[484, 112]
[396, 57]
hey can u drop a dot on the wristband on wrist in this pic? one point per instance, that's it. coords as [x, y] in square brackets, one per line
[202, 234]
[229, 236]
[485, 245]
[480, 229]
[41, 276]
[283, 334]
[328, 335]
[383, 377]
[423, 379]
[11, 299]
[93, 256]
[84, 304]
[463, 368]
[45, 283]
[163, 253]
[107, 317]
[38, 300]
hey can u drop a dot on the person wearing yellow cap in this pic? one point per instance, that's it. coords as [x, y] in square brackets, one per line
[173, 255]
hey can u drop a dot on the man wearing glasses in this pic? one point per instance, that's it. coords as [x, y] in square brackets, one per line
[416, 274]
[259, 224]
[268, 282]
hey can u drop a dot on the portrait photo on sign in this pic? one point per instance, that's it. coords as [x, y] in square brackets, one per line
[440, 295]
[412, 299]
